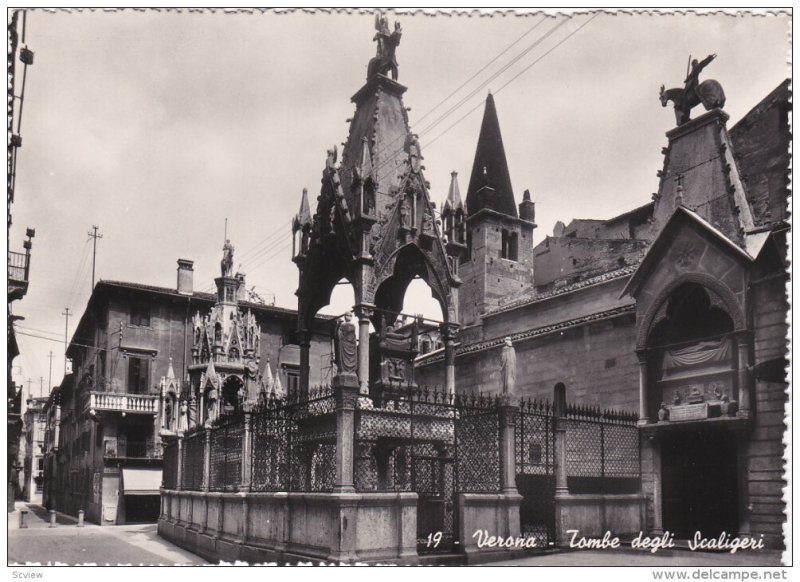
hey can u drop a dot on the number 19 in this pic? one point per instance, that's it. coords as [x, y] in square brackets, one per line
[434, 539]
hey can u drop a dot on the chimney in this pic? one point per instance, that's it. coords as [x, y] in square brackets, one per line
[185, 276]
[527, 208]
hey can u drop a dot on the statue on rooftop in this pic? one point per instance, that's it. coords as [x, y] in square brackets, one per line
[709, 93]
[385, 60]
[226, 266]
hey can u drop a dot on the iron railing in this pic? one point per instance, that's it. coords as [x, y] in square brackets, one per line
[602, 450]
[18, 266]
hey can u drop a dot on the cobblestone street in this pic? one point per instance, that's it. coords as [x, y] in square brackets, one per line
[67, 544]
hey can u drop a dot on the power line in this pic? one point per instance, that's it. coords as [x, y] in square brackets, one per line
[464, 84]
[66, 331]
[94, 236]
[472, 93]
[33, 335]
[515, 77]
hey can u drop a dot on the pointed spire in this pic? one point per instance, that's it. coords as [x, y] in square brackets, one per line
[277, 388]
[365, 169]
[170, 372]
[267, 376]
[453, 201]
[303, 216]
[490, 183]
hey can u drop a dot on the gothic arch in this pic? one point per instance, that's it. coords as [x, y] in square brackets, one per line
[403, 266]
[710, 283]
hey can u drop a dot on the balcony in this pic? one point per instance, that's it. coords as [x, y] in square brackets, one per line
[133, 450]
[128, 403]
[19, 269]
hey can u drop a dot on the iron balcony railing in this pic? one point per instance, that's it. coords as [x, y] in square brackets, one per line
[136, 403]
[18, 266]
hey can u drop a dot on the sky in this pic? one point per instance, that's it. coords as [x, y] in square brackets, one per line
[156, 126]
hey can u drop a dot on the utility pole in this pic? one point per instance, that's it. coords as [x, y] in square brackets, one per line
[66, 330]
[50, 379]
[41, 385]
[95, 236]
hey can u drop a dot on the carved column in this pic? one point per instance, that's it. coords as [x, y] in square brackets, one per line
[247, 457]
[658, 502]
[207, 461]
[560, 455]
[345, 388]
[363, 312]
[304, 338]
[508, 470]
[743, 376]
[448, 335]
[644, 416]
[179, 472]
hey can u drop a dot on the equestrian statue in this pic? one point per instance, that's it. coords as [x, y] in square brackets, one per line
[693, 93]
[385, 61]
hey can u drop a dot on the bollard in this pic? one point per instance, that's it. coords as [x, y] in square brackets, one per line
[23, 516]
[80, 518]
[52, 518]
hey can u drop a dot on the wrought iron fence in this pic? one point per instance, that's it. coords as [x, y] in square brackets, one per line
[602, 450]
[170, 471]
[227, 439]
[535, 469]
[433, 443]
[193, 461]
[294, 442]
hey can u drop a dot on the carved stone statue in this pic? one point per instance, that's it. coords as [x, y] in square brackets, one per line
[226, 266]
[211, 404]
[404, 217]
[345, 349]
[508, 368]
[330, 159]
[427, 223]
[709, 92]
[385, 60]
[183, 418]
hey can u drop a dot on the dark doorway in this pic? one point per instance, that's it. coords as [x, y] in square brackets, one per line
[142, 508]
[699, 483]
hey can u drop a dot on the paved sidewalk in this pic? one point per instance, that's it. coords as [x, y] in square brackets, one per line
[39, 544]
[668, 558]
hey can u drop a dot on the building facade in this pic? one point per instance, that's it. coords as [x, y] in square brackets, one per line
[19, 263]
[33, 435]
[676, 309]
[138, 360]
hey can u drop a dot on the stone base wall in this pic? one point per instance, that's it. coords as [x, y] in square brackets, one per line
[593, 515]
[491, 514]
[287, 527]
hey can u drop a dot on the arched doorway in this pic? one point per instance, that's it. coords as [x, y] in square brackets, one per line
[692, 364]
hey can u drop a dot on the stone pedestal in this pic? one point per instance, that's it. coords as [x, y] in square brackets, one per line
[345, 388]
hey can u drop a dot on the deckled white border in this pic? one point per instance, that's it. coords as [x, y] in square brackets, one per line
[472, 12]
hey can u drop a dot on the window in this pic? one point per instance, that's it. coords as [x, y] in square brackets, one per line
[138, 375]
[510, 245]
[513, 246]
[140, 315]
[292, 381]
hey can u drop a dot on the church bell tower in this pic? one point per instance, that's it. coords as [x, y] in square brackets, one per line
[498, 264]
